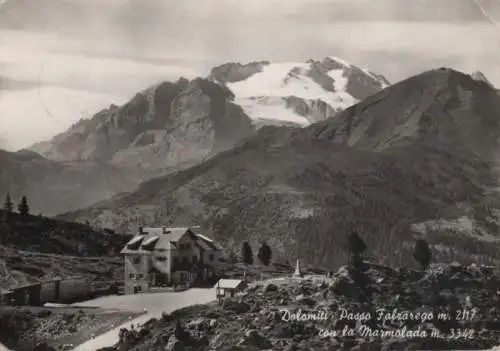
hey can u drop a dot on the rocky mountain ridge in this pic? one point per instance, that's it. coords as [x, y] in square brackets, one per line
[172, 125]
[162, 127]
[421, 150]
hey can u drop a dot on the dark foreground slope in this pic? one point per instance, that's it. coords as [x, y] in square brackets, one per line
[261, 317]
[36, 248]
[47, 235]
[419, 155]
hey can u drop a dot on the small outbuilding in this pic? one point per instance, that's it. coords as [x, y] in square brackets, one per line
[226, 288]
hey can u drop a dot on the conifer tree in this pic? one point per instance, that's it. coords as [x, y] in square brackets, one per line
[8, 205]
[422, 253]
[355, 246]
[246, 253]
[265, 254]
[23, 207]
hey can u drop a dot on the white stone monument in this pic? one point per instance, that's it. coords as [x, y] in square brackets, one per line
[298, 271]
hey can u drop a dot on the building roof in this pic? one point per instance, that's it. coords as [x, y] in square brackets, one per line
[207, 242]
[202, 245]
[164, 238]
[229, 283]
[5, 291]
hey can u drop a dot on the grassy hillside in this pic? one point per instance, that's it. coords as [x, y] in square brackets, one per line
[418, 156]
[39, 248]
[47, 235]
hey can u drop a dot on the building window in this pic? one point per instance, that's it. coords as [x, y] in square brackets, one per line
[188, 246]
[195, 259]
[185, 260]
[211, 257]
[176, 261]
[161, 258]
[131, 276]
[136, 260]
[140, 276]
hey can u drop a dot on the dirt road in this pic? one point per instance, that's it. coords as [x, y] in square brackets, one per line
[155, 305]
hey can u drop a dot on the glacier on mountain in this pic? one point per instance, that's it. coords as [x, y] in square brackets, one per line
[270, 92]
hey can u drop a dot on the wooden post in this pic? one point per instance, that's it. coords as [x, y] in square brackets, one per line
[217, 292]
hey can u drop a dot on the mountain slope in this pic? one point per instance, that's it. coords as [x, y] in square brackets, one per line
[165, 126]
[54, 187]
[420, 150]
[437, 106]
[172, 125]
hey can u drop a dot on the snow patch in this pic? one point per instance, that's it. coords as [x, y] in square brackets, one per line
[339, 60]
[262, 96]
[341, 81]
[274, 108]
[287, 79]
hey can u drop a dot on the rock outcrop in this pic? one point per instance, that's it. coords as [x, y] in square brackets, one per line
[167, 126]
[163, 129]
[448, 307]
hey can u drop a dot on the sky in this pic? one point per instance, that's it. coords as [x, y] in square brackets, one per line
[56, 68]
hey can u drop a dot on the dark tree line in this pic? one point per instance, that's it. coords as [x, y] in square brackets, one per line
[264, 254]
[22, 208]
[356, 246]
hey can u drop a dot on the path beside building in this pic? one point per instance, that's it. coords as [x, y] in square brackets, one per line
[155, 305]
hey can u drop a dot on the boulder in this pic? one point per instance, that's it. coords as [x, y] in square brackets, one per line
[175, 344]
[235, 306]
[271, 288]
[305, 300]
[256, 339]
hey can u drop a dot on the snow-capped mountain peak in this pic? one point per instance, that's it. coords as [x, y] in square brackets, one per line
[297, 93]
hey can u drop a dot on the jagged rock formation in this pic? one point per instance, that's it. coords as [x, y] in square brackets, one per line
[174, 125]
[423, 149]
[164, 127]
